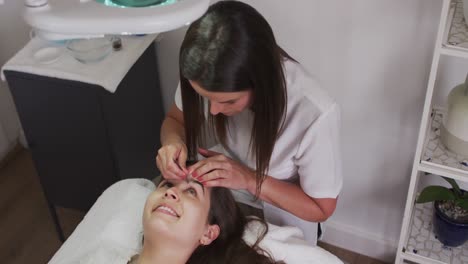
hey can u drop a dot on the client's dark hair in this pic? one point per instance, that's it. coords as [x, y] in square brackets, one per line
[229, 247]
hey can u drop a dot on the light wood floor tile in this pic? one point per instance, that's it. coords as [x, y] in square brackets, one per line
[344, 255]
[349, 256]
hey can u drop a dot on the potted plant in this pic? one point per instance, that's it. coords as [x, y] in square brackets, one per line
[450, 219]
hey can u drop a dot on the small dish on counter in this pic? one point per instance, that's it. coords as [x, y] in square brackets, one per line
[90, 50]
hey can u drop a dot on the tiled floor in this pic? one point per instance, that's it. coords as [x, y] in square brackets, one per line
[27, 232]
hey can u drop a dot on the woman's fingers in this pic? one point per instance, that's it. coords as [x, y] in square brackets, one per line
[181, 161]
[191, 170]
[173, 167]
[171, 174]
[205, 166]
[220, 170]
[216, 183]
[207, 153]
[212, 175]
[167, 174]
[166, 164]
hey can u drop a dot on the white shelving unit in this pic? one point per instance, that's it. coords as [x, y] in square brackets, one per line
[417, 242]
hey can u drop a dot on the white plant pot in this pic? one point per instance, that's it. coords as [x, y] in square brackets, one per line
[454, 133]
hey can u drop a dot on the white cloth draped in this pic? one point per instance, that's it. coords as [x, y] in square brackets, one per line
[111, 232]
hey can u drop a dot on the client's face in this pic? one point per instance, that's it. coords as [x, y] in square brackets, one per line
[177, 211]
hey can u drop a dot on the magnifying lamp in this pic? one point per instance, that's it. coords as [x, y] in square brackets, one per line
[68, 19]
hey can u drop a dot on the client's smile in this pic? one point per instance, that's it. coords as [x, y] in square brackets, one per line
[166, 210]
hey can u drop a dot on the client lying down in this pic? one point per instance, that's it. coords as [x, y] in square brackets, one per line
[185, 222]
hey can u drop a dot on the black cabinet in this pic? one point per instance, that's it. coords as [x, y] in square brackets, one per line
[84, 138]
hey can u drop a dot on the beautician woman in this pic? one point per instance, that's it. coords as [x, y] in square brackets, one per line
[279, 131]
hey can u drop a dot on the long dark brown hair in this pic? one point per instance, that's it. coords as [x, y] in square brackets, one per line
[232, 48]
[229, 247]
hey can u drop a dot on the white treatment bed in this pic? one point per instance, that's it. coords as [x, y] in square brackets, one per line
[111, 232]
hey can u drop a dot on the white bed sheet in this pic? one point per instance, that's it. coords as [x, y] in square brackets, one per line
[111, 232]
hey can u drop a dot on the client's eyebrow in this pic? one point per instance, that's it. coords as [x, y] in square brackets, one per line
[197, 182]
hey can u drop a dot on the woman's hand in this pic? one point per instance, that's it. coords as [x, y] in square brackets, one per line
[171, 160]
[219, 170]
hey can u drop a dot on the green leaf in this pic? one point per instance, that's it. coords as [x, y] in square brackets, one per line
[435, 193]
[463, 204]
[454, 185]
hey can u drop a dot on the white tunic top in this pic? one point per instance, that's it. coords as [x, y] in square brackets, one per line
[307, 151]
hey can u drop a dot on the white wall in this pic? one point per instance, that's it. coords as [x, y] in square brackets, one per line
[168, 60]
[374, 57]
[14, 35]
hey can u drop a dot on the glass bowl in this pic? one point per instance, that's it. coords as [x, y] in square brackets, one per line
[90, 50]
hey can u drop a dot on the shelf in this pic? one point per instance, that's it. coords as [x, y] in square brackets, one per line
[417, 242]
[436, 158]
[423, 247]
[456, 36]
